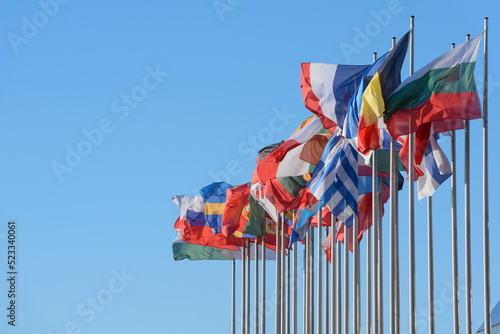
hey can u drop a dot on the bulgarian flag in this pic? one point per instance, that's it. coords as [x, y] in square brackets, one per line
[384, 82]
[435, 99]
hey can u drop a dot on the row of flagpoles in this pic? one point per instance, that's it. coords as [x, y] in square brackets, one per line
[324, 311]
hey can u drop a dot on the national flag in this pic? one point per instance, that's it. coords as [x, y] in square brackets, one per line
[194, 227]
[296, 156]
[384, 82]
[436, 98]
[436, 169]
[214, 198]
[182, 250]
[335, 179]
[327, 89]
[236, 201]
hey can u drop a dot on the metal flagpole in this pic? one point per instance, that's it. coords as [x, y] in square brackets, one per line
[243, 291]
[283, 274]
[486, 208]
[248, 287]
[311, 280]
[380, 278]
[346, 280]
[333, 240]
[374, 250]
[355, 271]
[319, 301]
[294, 290]
[287, 322]
[411, 208]
[277, 321]
[392, 273]
[233, 300]
[368, 280]
[263, 300]
[339, 284]
[305, 288]
[454, 238]
[256, 315]
[430, 266]
[358, 281]
[468, 289]
[327, 290]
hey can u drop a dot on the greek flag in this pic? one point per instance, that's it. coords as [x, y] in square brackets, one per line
[335, 179]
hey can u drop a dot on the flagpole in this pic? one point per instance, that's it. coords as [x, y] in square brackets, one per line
[263, 298]
[333, 240]
[287, 322]
[305, 288]
[468, 281]
[430, 264]
[277, 321]
[256, 315]
[355, 271]
[486, 208]
[311, 279]
[454, 238]
[295, 291]
[283, 274]
[411, 206]
[319, 301]
[346, 280]
[233, 299]
[243, 291]
[327, 289]
[339, 284]
[392, 254]
[248, 287]
[374, 250]
[380, 278]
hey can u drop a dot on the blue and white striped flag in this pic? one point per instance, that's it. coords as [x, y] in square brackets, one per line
[436, 168]
[335, 179]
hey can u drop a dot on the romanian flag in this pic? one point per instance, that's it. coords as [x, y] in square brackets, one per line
[436, 98]
[383, 83]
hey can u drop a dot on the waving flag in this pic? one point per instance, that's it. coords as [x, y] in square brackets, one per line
[439, 96]
[327, 89]
[214, 197]
[194, 227]
[298, 155]
[335, 179]
[237, 199]
[435, 167]
[383, 83]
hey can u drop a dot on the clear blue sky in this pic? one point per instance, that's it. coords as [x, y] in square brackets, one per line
[108, 108]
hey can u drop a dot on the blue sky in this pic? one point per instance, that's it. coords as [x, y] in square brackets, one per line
[110, 108]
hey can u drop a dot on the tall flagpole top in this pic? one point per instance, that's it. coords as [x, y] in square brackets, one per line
[467, 36]
[453, 45]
